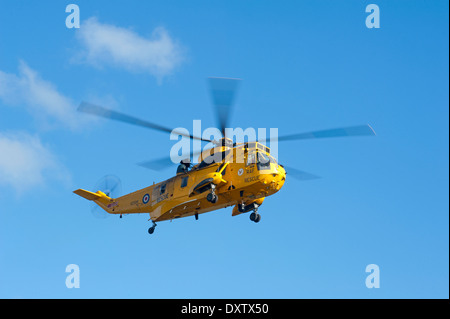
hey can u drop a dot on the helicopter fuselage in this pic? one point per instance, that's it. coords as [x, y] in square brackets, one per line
[243, 177]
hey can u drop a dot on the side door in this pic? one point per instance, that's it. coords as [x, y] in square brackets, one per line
[162, 191]
[180, 186]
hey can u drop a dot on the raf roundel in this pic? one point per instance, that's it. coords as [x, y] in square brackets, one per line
[145, 199]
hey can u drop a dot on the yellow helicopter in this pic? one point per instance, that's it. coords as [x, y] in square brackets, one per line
[228, 174]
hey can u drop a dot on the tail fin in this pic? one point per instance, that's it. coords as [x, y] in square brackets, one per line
[98, 196]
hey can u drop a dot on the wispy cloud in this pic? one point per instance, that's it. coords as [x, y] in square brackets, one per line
[39, 96]
[106, 44]
[26, 163]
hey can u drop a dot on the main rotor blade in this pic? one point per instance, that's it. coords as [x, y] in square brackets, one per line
[223, 92]
[360, 130]
[298, 174]
[164, 162]
[117, 116]
[157, 164]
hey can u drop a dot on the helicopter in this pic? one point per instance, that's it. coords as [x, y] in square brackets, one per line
[228, 174]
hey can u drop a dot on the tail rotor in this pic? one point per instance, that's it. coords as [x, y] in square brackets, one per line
[112, 187]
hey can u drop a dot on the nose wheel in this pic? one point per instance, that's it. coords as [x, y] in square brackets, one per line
[212, 197]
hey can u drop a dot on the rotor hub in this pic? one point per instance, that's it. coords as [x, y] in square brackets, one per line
[225, 141]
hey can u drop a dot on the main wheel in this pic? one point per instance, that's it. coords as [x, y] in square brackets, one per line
[257, 218]
[151, 230]
[212, 198]
[253, 216]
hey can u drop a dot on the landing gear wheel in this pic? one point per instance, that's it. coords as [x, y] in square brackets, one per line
[212, 198]
[255, 217]
[151, 230]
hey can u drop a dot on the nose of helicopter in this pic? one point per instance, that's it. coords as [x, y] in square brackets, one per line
[282, 172]
[281, 175]
[275, 180]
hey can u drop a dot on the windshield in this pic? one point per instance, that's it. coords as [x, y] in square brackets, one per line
[251, 158]
[215, 158]
[263, 161]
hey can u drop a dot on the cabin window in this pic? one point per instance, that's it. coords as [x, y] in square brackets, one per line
[184, 181]
[163, 189]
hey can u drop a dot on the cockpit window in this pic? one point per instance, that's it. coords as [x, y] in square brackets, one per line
[251, 159]
[215, 158]
[263, 161]
[184, 181]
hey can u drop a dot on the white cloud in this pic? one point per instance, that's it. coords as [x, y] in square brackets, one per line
[26, 163]
[39, 96]
[105, 44]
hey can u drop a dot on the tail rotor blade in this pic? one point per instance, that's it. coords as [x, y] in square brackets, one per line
[112, 187]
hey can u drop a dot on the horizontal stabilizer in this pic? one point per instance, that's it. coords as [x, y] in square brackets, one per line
[86, 194]
[93, 196]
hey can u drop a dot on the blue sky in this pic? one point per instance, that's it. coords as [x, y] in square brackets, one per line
[305, 65]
